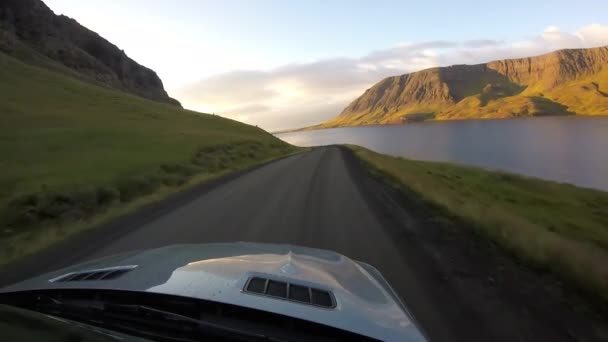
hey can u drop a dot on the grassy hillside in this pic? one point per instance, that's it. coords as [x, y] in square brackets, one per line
[588, 95]
[555, 226]
[565, 82]
[71, 150]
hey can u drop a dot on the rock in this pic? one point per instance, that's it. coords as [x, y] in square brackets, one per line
[463, 91]
[34, 26]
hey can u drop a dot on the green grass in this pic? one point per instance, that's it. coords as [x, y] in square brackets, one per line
[554, 226]
[71, 150]
[477, 83]
[588, 95]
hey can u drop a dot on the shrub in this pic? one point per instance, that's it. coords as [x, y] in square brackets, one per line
[106, 195]
[84, 198]
[24, 218]
[29, 200]
[186, 169]
[53, 207]
[173, 179]
[133, 187]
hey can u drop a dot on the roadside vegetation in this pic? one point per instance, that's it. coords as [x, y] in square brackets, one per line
[72, 152]
[551, 226]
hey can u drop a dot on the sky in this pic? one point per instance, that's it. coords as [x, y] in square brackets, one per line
[289, 64]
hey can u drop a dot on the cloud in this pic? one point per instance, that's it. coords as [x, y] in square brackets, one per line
[302, 94]
[479, 43]
[222, 88]
[254, 108]
[593, 35]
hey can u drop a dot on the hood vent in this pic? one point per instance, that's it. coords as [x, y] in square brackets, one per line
[289, 291]
[108, 273]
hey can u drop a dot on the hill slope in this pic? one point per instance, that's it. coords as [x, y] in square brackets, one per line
[562, 82]
[70, 150]
[31, 32]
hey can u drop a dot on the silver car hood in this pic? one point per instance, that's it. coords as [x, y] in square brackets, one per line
[365, 303]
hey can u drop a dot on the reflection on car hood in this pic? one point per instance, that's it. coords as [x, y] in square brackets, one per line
[365, 303]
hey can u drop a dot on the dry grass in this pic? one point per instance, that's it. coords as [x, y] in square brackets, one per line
[554, 226]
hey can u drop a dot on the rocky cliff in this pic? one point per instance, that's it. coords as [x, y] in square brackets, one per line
[563, 82]
[30, 31]
[553, 69]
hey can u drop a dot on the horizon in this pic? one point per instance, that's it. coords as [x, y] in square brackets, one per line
[222, 59]
[318, 199]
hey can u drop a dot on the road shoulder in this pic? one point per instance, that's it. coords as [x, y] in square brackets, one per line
[483, 292]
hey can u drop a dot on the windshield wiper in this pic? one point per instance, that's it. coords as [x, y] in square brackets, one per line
[145, 321]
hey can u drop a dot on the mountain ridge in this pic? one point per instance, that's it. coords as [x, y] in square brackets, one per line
[31, 32]
[563, 82]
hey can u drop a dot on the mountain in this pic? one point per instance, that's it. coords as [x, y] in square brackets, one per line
[32, 33]
[563, 82]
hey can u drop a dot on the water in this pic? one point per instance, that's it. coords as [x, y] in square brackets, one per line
[565, 149]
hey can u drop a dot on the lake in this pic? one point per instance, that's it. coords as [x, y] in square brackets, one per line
[565, 149]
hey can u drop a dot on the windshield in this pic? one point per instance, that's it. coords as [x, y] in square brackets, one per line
[398, 171]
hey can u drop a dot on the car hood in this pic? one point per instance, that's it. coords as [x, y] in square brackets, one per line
[365, 303]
